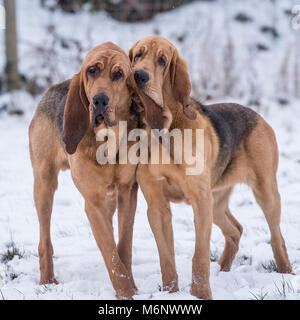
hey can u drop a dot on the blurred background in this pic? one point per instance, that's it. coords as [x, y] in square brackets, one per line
[243, 50]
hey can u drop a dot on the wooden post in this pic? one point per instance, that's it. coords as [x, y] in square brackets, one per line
[11, 69]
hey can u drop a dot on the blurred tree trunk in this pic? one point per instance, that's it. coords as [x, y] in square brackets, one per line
[11, 69]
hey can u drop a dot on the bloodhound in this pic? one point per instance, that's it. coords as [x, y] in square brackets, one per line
[239, 147]
[63, 135]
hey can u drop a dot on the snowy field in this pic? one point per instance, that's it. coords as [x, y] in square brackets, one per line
[78, 264]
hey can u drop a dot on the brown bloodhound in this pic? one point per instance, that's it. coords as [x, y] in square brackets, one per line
[63, 135]
[239, 147]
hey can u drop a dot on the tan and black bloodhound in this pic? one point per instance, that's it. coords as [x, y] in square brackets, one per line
[239, 147]
[63, 135]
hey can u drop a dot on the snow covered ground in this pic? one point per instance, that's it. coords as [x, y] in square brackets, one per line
[79, 266]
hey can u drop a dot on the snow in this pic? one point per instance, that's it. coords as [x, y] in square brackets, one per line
[79, 266]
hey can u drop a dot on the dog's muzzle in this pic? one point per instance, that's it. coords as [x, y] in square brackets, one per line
[100, 112]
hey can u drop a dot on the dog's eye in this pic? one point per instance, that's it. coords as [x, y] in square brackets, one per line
[161, 61]
[137, 56]
[93, 71]
[117, 75]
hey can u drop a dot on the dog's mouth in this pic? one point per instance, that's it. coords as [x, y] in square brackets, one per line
[97, 120]
[102, 116]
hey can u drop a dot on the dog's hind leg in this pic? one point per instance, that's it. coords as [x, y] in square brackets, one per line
[267, 196]
[44, 154]
[45, 184]
[234, 221]
[263, 158]
[230, 227]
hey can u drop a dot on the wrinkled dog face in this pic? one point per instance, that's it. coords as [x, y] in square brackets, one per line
[162, 75]
[150, 60]
[105, 75]
[100, 94]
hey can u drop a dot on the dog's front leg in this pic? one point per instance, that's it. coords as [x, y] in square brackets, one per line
[160, 220]
[203, 217]
[90, 181]
[101, 223]
[127, 201]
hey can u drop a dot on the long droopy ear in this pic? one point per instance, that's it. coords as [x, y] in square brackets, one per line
[76, 115]
[130, 54]
[153, 113]
[181, 83]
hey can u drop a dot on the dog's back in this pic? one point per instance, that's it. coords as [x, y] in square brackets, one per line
[53, 103]
[232, 124]
[45, 131]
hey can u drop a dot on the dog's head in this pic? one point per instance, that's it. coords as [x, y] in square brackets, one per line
[162, 75]
[99, 94]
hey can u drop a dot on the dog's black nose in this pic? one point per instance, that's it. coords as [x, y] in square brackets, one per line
[100, 100]
[141, 77]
